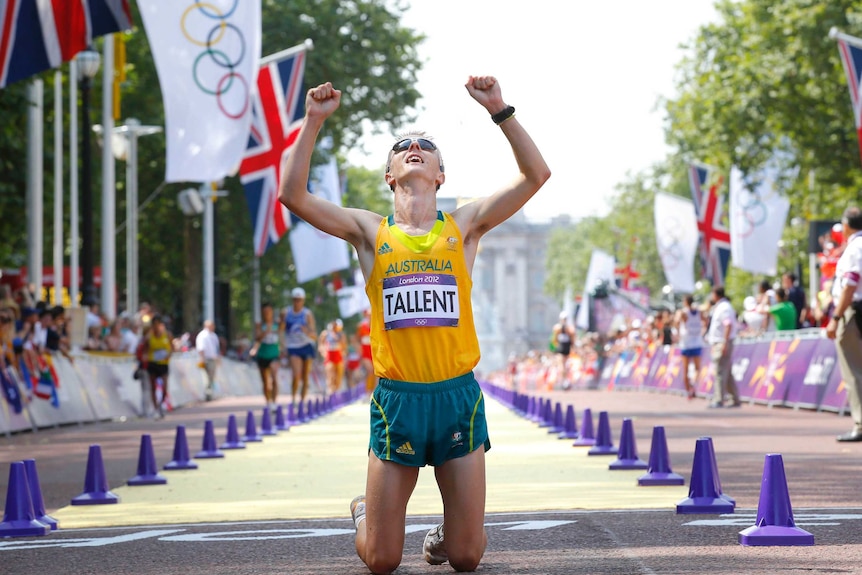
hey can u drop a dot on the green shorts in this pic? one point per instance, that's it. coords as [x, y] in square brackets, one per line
[419, 424]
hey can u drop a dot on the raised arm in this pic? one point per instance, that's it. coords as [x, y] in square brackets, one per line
[352, 225]
[478, 217]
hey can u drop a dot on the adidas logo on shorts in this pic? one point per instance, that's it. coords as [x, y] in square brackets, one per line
[406, 449]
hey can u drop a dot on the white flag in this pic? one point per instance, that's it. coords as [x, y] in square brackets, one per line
[602, 266]
[758, 213]
[676, 237]
[316, 253]
[207, 56]
[353, 300]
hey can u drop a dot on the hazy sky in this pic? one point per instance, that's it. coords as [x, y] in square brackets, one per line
[584, 77]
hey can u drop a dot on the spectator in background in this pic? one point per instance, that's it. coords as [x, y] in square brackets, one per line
[207, 345]
[796, 296]
[765, 300]
[720, 334]
[129, 336]
[783, 313]
[689, 321]
[9, 303]
[844, 324]
[825, 305]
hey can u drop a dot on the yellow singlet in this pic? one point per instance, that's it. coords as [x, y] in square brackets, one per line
[422, 327]
[159, 349]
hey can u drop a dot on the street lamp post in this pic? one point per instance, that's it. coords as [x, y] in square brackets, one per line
[88, 65]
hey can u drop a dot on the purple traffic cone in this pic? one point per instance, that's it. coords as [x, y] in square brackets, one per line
[721, 493]
[266, 427]
[181, 458]
[209, 449]
[314, 408]
[570, 427]
[280, 422]
[547, 414]
[251, 434]
[533, 408]
[604, 440]
[291, 416]
[36, 495]
[19, 518]
[148, 473]
[232, 441]
[659, 471]
[95, 482]
[586, 436]
[627, 456]
[704, 493]
[775, 525]
[300, 413]
[557, 421]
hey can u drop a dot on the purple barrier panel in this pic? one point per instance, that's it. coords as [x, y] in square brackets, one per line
[784, 361]
[607, 370]
[835, 395]
[623, 369]
[703, 383]
[658, 364]
[821, 364]
[669, 374]
[643, 365]
[749, 356]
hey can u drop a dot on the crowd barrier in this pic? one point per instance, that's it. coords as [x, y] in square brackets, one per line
[792, 369]
[100, 387]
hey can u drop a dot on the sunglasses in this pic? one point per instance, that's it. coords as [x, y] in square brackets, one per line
[404, 144]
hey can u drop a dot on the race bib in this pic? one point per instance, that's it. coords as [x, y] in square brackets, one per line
[160, 355]
[420, 300]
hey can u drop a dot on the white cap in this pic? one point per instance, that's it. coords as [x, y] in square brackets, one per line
[563, 315]
[297, 293]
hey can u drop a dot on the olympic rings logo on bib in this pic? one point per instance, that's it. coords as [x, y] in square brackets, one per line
[420, 300]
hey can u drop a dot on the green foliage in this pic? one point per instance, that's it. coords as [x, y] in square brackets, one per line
[13, 171]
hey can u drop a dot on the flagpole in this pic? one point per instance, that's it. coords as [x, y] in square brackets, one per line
[74, 248]
[255, 290]
[35, 151]
[58, 187]
[109, 184]
[208, 195]
[308, 44]
[836, 34]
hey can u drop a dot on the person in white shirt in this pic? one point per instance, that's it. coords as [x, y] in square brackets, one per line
[208, 347]
[845, 325]
[719, 335]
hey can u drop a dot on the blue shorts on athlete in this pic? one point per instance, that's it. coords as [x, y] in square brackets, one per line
[305, 352]
[691, 352]
[417, 424]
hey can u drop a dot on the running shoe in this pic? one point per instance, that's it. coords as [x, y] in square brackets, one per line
[357, 509]
[434, 548]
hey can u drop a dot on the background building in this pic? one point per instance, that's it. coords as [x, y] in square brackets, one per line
[512, 313]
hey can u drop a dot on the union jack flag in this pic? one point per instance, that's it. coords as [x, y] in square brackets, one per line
[37, 35]
[714, 233]
[850, 49]
[277, 111]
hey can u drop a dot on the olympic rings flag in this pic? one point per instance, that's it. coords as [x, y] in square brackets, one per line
[207, 55]
[676, 236]
[758, 213]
